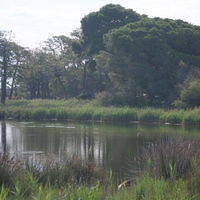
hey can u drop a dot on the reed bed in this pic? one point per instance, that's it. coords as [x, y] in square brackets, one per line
[173, 116]
[85, 110]
[150, 115]
[192, 117]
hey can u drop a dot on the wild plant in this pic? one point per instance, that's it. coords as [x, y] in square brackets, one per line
[40, 113]
[3, 192]
[172, 116]
[25, 185]
[171, 158]
[9, 167]
[60, 173]
[149, 115]
[192, 116]
[74, 109]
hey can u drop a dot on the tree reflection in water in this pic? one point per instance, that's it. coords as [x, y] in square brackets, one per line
[109, 145]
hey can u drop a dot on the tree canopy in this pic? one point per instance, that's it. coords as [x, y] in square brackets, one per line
[96, 24]
[117, 56]
[143, 53]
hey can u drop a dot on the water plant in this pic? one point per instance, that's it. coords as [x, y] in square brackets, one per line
[172, 116]
[86, 110]
[150, 115]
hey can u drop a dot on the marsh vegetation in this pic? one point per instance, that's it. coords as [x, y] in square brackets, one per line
[85, 110]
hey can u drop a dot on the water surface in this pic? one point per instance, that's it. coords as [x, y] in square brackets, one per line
[110, 145]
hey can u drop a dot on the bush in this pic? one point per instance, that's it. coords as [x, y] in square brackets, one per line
[190, 94]
[179, 104]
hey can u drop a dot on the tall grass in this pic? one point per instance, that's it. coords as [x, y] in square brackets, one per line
[85, 110]
[159, 189]
[168, 169]
[171, 158]
[173, 116]
[150, 115]
[192, 117]
[50, 179]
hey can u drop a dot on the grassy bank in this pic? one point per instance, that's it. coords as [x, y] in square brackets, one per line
[88, 110]
[167, 169]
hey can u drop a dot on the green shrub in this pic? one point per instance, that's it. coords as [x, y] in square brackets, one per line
[190, 94]
[179, 104]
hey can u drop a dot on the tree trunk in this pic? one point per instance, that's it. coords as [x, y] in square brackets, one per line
[13, 81]
[63, 87]
[3, 78]
[84, 79]
[3, 136]
[32, 89]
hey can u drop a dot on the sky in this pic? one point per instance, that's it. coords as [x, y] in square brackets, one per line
[34, 21]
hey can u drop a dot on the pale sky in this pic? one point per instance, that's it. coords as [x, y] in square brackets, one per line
[34, 21]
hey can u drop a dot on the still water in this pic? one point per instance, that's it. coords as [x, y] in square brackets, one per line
[110, 145]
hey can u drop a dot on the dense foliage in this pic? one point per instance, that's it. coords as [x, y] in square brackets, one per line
[117, 56]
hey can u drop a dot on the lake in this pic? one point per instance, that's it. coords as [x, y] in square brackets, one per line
[110, 145]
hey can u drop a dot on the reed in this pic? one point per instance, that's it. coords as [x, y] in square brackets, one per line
[192, 116]
[168, 169]
[150, 188]
[171, 158]
[150, 115]
[9, 167]
[85, 110]
[40, 113]
[172, 116]
[50, 180]
[61, 113]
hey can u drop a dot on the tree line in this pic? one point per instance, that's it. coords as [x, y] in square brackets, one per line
[118, 56]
